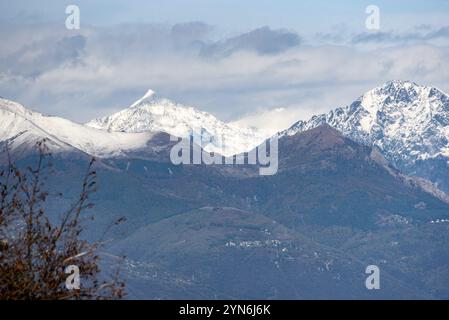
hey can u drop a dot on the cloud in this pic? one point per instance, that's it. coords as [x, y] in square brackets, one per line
[35, 58]
[440, 33]
[190, 34]
[373, 37]
[262, 41]
[423, 34]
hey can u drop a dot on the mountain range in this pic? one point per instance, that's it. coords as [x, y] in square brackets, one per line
[155, 114]
[334, 207]
[407, 122]
[352, 190]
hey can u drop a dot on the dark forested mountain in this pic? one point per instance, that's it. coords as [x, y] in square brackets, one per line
[333, 208]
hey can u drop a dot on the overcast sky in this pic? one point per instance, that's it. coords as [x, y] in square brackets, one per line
[261, 63]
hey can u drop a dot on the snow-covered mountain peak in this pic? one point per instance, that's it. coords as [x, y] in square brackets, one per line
[395, 85]
[22, 128]
[147, 98]
[14, 107]
[155, 114]
[396, 94]
[408, 122]
[150, 113]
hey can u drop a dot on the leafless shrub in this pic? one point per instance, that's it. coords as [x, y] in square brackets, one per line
[34, 251]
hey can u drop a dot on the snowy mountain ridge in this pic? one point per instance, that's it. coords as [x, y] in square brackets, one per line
[22, 128]
[406, 121]
[152, 113]
[128, 131]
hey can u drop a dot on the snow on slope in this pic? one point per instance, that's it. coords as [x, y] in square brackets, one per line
[406, 121]
[23, 128]
[151, 113]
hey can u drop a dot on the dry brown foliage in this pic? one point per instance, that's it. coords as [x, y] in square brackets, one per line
[34, 252]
